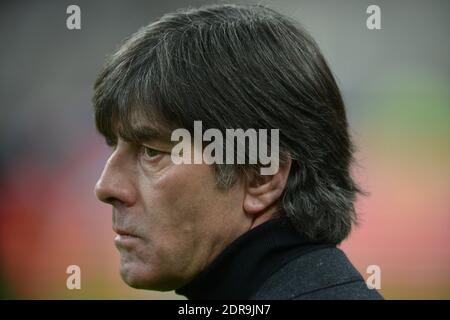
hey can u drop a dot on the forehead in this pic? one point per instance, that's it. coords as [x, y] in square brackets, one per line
[135, 124]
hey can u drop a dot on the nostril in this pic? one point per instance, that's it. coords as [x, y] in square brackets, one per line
[110, 200]
[105, 194]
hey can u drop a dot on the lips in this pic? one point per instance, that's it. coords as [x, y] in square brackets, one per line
[125, 240]
[124, 233]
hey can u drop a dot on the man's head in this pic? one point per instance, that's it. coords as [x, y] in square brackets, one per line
[229, 67]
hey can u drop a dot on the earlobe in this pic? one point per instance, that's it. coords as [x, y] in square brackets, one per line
[264, 191]
[257, 203]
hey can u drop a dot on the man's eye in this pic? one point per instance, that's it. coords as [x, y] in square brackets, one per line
[110, 142]
[150, 153]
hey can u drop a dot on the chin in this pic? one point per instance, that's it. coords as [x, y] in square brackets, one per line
[139, 277]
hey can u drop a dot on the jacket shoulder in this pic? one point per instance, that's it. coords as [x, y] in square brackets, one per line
[322, 274]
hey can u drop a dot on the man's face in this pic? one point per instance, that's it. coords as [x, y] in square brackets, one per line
[171, 220]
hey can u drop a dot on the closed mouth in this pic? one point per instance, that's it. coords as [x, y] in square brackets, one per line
[124, 233]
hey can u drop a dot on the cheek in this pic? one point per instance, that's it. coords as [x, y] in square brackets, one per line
[174, 218]
[184, 190]
[186, 216]
[190, 198]
[176, 204]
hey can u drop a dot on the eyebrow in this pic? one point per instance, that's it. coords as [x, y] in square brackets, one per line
[143, 133]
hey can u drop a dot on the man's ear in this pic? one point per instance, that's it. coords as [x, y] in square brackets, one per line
[263, 191]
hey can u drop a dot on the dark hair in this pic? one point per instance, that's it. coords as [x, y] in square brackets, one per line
[234, 66]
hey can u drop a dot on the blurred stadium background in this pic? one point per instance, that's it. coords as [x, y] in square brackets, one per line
[395, 82]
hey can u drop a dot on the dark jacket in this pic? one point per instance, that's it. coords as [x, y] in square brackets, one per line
[273, 261]
[321, 274]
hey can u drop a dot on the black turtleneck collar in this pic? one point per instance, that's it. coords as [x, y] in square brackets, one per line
[248, 261]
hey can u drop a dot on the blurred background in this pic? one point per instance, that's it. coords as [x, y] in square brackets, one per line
[395, 82]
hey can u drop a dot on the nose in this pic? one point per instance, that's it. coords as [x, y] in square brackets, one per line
[115, 185]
